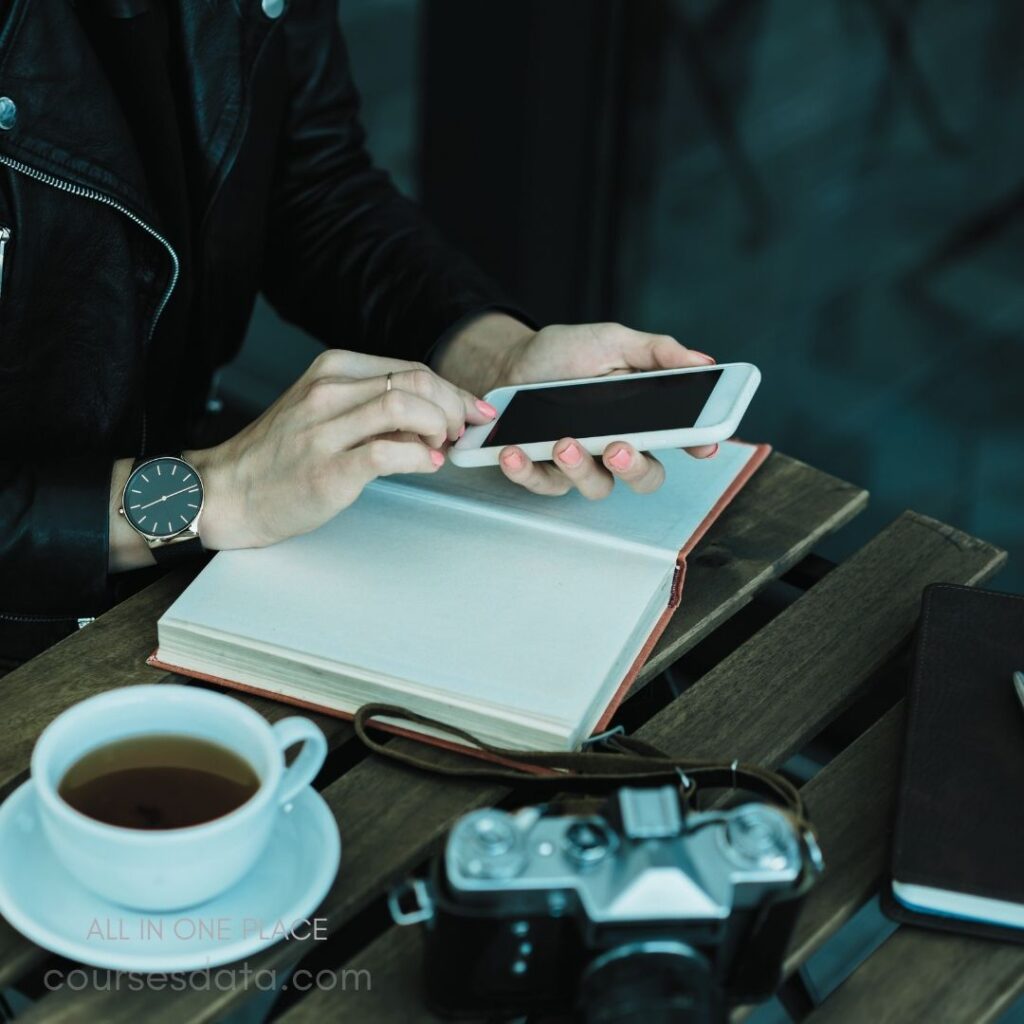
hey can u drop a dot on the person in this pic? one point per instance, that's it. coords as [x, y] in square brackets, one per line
[162, 163]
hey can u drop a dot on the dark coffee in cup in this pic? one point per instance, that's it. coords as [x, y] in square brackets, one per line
[159, 782]
[175, 852]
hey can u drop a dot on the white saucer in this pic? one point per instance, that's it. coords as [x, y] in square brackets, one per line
[46, 904]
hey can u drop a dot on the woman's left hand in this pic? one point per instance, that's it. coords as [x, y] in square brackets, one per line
[591, 350]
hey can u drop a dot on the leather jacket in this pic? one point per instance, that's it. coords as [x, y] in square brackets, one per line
[291, 206]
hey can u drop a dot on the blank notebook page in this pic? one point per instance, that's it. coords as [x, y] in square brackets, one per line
[478, 607]
[665, 520]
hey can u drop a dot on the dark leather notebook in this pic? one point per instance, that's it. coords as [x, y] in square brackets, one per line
[959, 828]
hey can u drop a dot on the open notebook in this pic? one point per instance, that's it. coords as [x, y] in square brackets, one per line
[459, 596]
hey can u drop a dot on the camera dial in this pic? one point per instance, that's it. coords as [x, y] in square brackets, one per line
[759, 837]
[487, 844]
[588, 841]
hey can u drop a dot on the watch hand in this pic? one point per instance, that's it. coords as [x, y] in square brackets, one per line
[166, 496]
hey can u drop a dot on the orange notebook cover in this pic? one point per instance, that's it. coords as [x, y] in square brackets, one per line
[754, 455]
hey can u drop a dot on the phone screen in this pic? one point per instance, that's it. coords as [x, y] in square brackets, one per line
[606, 406]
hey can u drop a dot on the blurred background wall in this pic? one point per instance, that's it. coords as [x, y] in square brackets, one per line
[833, 189]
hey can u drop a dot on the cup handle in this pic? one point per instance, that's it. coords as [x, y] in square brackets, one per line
[303, 769]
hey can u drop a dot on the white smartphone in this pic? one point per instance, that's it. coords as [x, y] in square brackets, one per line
[661, 409]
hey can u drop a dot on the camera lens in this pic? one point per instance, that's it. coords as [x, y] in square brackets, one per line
[657, 982]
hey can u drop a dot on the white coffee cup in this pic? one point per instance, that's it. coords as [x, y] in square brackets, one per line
[170, 869]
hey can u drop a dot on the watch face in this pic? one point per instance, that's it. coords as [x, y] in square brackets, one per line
[162, 497]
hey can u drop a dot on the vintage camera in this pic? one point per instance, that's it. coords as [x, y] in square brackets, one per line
[637, 911]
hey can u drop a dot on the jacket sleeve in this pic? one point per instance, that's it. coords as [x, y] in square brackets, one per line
[53, 549]
[350, 259]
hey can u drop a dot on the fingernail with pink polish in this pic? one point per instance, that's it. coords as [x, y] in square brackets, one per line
[486, 408]
[513, 460]
[711, 454]
[436, 458]
[621, 459]
[570, 455]
[702, 355]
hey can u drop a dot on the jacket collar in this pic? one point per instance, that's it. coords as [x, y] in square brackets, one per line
[69, 124]
[219, 45]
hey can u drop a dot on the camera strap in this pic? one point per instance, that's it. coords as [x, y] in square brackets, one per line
[624, 760]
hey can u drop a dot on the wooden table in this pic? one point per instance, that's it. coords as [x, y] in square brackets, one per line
[773, 675]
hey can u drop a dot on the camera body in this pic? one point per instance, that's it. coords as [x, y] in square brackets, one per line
[636, 910]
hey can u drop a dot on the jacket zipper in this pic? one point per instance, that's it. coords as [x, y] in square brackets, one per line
[5, 237]
[99, 197]
[35, 620]
[27, 619]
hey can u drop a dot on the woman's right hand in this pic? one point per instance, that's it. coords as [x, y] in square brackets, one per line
[313, 451]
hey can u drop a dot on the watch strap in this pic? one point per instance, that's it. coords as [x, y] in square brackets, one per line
[177, 551]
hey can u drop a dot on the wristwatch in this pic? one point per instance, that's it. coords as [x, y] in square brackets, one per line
[162, 501]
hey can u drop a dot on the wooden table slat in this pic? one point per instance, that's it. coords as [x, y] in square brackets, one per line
[393, 963]
[851, 804]
[785, 509]
[812, 660]
[391, 818]
[919, 975]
